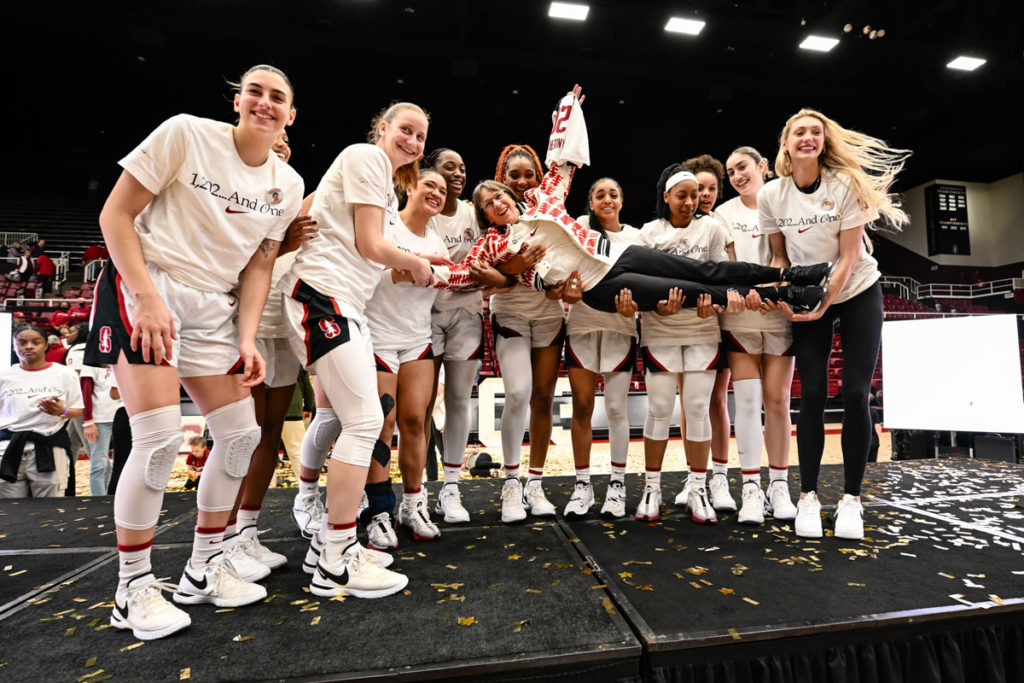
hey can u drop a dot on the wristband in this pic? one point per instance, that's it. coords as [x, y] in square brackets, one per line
[65, 413]
[88, 423]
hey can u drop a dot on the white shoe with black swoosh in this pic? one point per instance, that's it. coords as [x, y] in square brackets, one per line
[216, 582]
[316, 548]
[141, 607]
[351, 574]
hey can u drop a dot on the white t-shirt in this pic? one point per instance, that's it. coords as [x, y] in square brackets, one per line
[811, 224]
[361, 174]
[583, 319]
[459, 233]
[704, 240]
[75, 357]
[22, 390]
[399, 314]
[211, 211]
[272, 322]
[752, 246]
[103, 407]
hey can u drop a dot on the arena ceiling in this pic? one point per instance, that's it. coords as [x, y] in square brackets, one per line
[89, 80]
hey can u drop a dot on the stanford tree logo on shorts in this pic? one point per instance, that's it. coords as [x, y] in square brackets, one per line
[105, 345]
[329, 327]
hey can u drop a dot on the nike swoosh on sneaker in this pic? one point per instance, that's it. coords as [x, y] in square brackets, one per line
[200, 585]
[122, 610]
[340, 579]
[229, 210]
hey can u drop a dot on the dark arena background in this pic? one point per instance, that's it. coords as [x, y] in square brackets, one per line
[933, 593]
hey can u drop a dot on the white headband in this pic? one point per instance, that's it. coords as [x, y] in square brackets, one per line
[678, 178]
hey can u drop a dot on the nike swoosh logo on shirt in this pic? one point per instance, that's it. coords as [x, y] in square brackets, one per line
[231, 303]
[803, 230]
[534, 232]
[756, 235]
[229, 210]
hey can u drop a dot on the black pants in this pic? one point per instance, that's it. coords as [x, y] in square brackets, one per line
[860, 329]
[649, 274]
[121, 441]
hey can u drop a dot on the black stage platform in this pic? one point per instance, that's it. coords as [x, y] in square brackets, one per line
[934, 593]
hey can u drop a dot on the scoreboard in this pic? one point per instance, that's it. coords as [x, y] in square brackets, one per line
[946, 215]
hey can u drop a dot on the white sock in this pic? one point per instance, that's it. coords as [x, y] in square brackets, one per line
[652, 477]
[307, 488]
[132, 561]
[583, 474]
[535, 474]
[206, 544]
[778, 473]
[451, 473]
[247, 516]
[698, 478]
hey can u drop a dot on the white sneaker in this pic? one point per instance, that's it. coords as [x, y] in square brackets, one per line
[246, 566]
[614, 500]
[380, 534]
[141, 607]
[535, 501]
[307, 510]
[249, 540]
[754, 504]
[316, 548]
[217, 582]
[850, 518]
[449, 504]
[512, 509]
[649, 507]
[581, 502]
[699, 506]
[779, 502]
[414, 515]
[808, 517]
[721, 499]
[684, 495]
[351, 574]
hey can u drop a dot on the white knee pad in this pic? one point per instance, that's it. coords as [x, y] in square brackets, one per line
[156, 436]
[156, 440]
[697, 388]
[235, 435]
[661, 399]
[323, 431]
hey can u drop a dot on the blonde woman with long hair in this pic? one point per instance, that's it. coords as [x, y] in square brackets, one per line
[832, 183]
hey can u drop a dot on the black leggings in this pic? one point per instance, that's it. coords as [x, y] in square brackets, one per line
[860, 329]
[649, 274]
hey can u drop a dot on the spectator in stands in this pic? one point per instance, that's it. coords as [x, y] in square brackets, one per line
[92, 253]
[36, 398]
[80, 310]
[45, 270]
[55, 352]
[23, 268]
[61, 318]
[13, 251]
[38, 249]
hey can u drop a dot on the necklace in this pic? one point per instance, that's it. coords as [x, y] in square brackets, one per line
[812, 188]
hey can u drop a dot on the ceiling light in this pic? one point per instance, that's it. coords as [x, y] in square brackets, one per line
[819, 43]
[689, 26]
[568, 10]
[965, 63]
